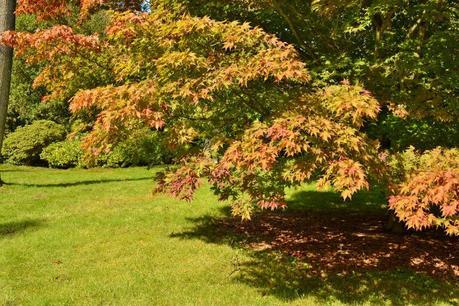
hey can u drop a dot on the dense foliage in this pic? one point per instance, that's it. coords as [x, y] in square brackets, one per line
[237, 104]
[405, 52]
[143, 147]
[63, 154]
[23, 147]
[426, 193]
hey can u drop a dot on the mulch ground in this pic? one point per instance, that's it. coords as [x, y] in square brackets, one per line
[349, 243]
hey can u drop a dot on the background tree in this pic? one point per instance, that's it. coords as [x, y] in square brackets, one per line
[404, 52]
[7, 8]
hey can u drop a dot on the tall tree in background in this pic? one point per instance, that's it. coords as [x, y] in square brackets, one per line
[404, 52]
[7, 8]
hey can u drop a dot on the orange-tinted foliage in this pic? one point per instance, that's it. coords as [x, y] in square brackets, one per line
[429, 194]
[52, 9]
[43, 9]
[62, 53]
[47, 44]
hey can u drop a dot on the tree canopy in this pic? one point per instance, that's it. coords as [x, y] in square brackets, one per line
[260, 96]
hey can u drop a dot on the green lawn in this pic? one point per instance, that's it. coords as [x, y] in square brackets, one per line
[98, 237]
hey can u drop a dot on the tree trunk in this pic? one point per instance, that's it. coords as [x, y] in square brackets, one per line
[7, 23]
[394, 225]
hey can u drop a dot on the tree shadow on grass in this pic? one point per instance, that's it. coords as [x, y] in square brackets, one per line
[80, 183]
[288, 279]
[12, 170]
[332, 251]
[16, 227]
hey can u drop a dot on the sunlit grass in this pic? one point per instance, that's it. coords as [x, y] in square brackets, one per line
[98, 237]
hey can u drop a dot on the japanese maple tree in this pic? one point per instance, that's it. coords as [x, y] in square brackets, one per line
[236, 101]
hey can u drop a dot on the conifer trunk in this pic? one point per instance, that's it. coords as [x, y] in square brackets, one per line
[7, 23]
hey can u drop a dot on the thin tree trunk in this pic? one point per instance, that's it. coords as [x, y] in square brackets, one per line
[394, 225]
[7, 23]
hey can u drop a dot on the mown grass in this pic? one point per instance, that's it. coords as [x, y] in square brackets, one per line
[98, 237]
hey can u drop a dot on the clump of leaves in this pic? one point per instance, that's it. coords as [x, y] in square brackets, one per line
[427, 193]
[55, 9]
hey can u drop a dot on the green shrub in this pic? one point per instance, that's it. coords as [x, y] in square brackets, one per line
[23, 146]
[64, 154]
[143, 147]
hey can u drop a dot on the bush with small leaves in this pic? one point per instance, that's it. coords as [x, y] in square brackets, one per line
[143, 147]
[64, 154]
[23, 146]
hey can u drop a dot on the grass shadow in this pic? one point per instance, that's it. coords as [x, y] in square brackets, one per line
[332, 250]
[12, 170]
[79, 183]
[16, 227]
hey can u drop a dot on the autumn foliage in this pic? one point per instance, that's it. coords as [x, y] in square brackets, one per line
[43, 9]
[235, 100]
[54, 9]
[428, 194]
[315, 141]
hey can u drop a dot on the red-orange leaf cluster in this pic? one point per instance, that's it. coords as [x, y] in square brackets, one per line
[429, 194]
[182, 183]
[53, 9]
[44, 9]
[47, 44]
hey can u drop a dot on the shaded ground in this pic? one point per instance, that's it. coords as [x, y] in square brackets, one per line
[12, 228]
[339, 251]
[344, 244]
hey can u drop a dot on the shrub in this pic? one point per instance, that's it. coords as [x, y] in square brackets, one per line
[64, 154]
[143, 147]
[23, 146]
